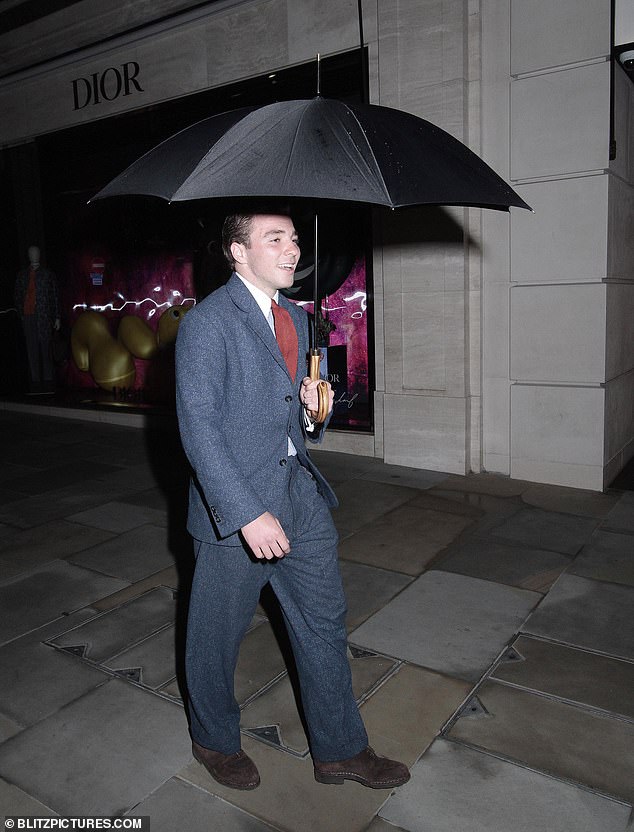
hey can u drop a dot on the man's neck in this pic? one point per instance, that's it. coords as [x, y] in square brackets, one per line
[262, 298]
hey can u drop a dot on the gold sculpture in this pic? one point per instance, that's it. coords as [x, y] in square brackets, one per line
[110, 360]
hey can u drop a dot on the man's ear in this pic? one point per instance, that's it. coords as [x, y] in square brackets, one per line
[237, 252]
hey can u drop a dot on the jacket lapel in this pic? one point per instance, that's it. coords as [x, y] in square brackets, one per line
[254, 318]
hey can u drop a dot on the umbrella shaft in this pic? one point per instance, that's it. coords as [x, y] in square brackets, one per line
[316, 298]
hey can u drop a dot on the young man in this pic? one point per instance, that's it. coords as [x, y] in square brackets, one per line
[259, 511]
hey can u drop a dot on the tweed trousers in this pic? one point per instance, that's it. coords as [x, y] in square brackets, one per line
[225, 592]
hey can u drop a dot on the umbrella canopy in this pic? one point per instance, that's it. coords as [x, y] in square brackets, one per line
[317, 148]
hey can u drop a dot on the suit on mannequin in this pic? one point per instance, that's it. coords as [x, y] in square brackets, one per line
[37, 304]
[259, 513]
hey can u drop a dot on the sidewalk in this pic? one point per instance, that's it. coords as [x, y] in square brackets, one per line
[491, 643]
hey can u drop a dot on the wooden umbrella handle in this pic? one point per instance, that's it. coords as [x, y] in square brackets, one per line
[323, 405]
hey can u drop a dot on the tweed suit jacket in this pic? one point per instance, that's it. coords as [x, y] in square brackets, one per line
[236, 406]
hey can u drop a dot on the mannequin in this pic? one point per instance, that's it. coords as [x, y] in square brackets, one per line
[36, 300]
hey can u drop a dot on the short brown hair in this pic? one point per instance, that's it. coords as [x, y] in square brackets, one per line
[236, 229]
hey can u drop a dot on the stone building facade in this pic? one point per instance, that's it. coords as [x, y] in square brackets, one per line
[503, 342]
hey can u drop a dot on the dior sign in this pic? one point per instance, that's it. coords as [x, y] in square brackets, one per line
[107, 85]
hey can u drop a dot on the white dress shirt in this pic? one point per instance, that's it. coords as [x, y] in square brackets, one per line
[264, 302]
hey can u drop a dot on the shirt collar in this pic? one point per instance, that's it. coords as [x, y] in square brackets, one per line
[260, 297]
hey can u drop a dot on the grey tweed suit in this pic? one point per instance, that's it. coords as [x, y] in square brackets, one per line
[237, 406]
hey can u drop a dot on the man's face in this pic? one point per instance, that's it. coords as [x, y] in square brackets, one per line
[270, 259]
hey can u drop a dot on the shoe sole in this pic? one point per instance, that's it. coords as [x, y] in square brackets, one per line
[249, 787]
[339, 779]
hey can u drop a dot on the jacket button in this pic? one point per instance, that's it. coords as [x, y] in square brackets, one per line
[283, 461]
[288, 399]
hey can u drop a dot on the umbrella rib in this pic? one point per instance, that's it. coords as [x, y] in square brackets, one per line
[293, 143]
[353, 161]
[369, 146]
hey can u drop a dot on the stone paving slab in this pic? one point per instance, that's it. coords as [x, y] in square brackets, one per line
[100, 755]
[368, 589]
[61, 476]
[177, 805]
[404, 540]
[274, 718]
[401, 475]
[47, 593]
[154, 498]
[7, 532]
[173, 689]
[570, 674]
[380, 825]
[119, 517]
[152, 663]
[63, 502]
[11, 470]
[277, 708]
[588, 614]
[166, 577]
[359, 506]
[37, 680]
[131, 480]
[451, 502]
[563, 740]
[290, 799]
[8, 728]
[79, 432]
[534, 569]
[57, 626]
[29, 548]
[338, 467]
[8, 495]
[16, 802]
[37, 454]
[492, 484]
[131, 556]
[409, 710]
[108, 634]
[492, 510]
[404, 714]
[608, 556]
[621, 518]
[569, 500]
[557, 532]
[458, 789]
[446, 622]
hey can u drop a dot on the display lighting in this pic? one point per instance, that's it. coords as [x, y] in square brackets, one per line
[136, 303]
[362, 296]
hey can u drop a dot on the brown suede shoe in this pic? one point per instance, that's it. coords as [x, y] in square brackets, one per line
[366, 768]
[237, 771]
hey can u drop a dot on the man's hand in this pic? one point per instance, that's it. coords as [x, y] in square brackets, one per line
[266, 538]
[308, 396]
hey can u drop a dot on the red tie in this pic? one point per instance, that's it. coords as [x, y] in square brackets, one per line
[286, 337]
[29, 299]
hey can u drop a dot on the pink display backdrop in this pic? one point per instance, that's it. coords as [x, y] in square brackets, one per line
[145, 285]
[116, 285]
[347, 310]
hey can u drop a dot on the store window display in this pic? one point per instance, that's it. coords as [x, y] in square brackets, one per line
[37, 304]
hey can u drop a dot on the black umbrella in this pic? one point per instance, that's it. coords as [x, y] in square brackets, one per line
[318, 148]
